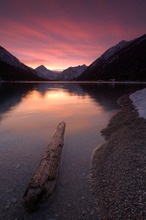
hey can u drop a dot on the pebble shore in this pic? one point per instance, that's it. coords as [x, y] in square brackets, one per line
[119, 165]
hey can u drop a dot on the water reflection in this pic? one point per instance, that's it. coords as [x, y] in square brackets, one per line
[11, 94]
[108, 94]
[29, 114]
[36, 110]
[33, 106]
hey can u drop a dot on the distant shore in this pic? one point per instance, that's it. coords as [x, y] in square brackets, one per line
[117, 172]
[74, 81]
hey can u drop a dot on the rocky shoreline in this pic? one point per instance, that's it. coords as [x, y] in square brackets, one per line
[118, 166]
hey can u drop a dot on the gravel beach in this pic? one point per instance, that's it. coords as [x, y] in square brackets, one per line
[118, 166]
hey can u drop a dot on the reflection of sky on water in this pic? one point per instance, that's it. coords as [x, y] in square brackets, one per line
[29, 114]
[34, 108]
[37, 112]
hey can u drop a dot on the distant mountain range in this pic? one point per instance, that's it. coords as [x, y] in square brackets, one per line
[125, 61]
[68, 74]
[45, 73]
[11, 69]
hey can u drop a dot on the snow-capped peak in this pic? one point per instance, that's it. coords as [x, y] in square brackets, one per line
[45, 73]
[67, 74]
[73, 72]
[110, 52]
[43, 69]
[5, 56]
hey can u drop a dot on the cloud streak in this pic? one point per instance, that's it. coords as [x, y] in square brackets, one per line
[64, 33]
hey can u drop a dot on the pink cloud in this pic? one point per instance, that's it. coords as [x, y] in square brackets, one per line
[61, 33]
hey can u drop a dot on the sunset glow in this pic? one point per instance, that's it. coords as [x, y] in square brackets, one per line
[63, 33]
[58, 104]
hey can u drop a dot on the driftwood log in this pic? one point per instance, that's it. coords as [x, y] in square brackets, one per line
[43, 182]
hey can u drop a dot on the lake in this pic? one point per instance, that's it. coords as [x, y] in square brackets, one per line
[29, 114]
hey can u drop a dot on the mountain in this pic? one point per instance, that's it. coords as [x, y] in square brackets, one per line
[124, 61]
[72, 72]
[45, 73]
[68, 74]
[11, 69]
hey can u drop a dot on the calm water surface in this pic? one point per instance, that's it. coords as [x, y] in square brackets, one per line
[29, 114]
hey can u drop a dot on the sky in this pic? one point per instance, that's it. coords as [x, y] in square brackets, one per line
[63, 33]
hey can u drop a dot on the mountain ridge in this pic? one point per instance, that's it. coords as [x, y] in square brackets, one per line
[68, 74]
[45, 73]
[125, 61]
[106, 66]
[11, 69]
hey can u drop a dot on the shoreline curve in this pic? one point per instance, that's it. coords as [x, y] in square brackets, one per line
[118, 166]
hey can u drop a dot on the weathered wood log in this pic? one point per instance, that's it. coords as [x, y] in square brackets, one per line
[43, 182]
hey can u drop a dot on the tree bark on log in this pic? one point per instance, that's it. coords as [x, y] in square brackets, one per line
[43, 182]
